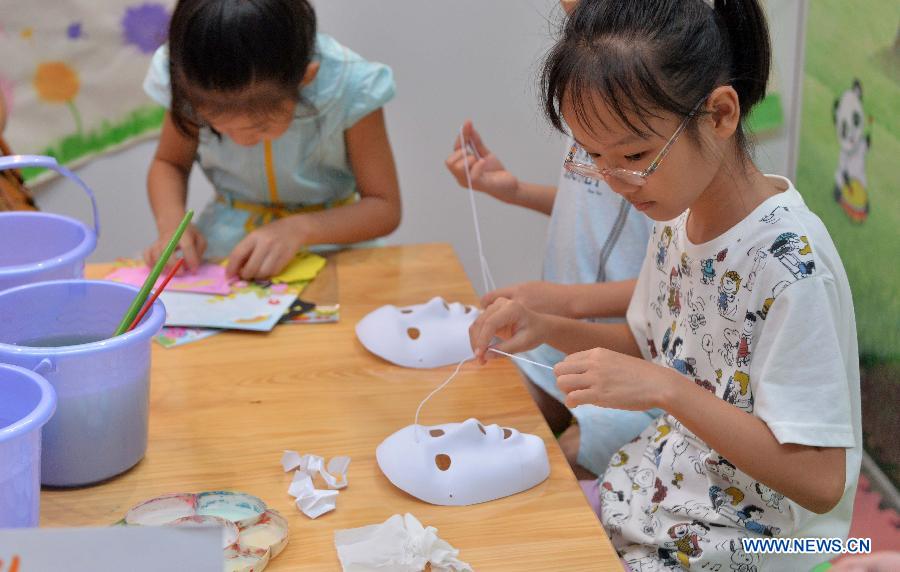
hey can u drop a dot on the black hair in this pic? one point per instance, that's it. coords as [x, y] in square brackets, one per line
[647, 58]
[218, 48]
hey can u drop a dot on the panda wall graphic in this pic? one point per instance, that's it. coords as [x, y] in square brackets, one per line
[850, 184]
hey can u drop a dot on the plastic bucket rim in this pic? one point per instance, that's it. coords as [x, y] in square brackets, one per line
[42, 412]
[82, 250]
[150, 324]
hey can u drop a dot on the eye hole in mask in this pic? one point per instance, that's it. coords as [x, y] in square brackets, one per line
[442, 461]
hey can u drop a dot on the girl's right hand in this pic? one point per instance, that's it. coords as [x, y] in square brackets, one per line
[486, 171]
[520, 329]
[192, 246]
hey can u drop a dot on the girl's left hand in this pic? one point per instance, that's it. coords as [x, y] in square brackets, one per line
[609, 379]
[264, 252]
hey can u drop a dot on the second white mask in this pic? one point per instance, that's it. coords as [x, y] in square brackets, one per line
[428, 335]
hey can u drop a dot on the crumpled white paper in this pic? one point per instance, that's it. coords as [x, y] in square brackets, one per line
[399, 544]
[311, 501]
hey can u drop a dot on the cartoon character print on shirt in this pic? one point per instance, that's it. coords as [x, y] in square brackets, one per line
[767, 303]
[730, 341]
[619, 459]
[738, 392]
[774, 217]
[743, 349]
[659, 491]
[651, 347]
[747, 517]
[683, 543]
[794, 253]
[674, 297]
[725, 502]
[719, 465]
[614, 523]
[647, 564]
[708, 269]
[696, 318]
[654, 452]
[708, 346]
[660, 302]
[685, 265]
[698, 462]
[672, 347]
[693, 508]
[662, 431]
[609, 495]
[613, 502]
[650, 522]
[668, 338]
[678, 449]
[768, 496]
[726, 301]
[760, 257]
[740, 561]
[662, 248]
[642, 480]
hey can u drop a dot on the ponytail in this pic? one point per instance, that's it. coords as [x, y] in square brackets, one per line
[751, 51]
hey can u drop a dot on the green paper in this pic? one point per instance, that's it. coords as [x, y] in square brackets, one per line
[139, 300]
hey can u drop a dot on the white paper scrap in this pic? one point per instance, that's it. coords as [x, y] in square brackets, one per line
[399, 544]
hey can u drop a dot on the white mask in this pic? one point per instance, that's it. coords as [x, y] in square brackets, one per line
[462, 463]
[421, 336]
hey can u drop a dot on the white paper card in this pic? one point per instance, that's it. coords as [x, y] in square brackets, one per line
[239, 311]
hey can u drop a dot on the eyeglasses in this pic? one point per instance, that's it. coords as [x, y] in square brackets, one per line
[636, 178]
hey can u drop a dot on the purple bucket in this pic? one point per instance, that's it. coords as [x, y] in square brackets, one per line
[37, 246]
[62, 330]
[28, 402]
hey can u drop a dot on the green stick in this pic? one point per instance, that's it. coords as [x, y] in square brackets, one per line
[154, 275]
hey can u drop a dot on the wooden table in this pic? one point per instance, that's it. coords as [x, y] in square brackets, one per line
[223, 409]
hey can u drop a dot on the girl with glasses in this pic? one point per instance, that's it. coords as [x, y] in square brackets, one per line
[741, 324]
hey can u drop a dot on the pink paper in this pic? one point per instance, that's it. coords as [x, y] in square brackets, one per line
[208, 279]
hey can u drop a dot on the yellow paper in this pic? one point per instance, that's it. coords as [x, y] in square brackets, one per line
[304, 266]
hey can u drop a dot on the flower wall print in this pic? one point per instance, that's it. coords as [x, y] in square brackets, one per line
[56, 82]
[72, 75]
[145, 26]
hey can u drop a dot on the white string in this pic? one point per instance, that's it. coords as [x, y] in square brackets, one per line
[520, 358]
[430, 395]
[456, 371]
[486, 276]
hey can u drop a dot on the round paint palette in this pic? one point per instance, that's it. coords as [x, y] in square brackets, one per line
[254, 534]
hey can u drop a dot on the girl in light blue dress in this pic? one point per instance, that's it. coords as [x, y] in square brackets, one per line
[287, 125]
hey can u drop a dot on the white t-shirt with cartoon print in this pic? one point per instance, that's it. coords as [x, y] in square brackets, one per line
[761, 316]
